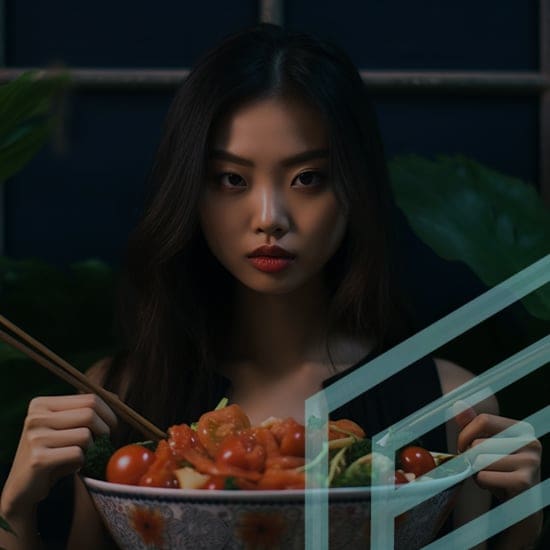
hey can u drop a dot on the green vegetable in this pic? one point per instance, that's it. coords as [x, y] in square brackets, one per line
[337, 464]
[151, 445]
[357, 475]
[356, 450]
[223, 403]
[231, 484]
[467, 212]
[96, 457]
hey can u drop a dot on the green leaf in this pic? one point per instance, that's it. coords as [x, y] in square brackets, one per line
[48, 302]
[230, 484]
[26, 117]
[464, 211]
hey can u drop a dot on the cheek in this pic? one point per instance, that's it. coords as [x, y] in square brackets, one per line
[329, 225]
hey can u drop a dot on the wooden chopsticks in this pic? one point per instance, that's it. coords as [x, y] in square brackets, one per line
[74, 377]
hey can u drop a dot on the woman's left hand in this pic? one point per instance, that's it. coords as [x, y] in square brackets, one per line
[505, 470]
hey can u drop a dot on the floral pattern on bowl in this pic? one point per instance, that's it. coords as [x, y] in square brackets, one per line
[148, 518]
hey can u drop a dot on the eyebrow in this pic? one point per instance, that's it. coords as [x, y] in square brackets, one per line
[290, 161]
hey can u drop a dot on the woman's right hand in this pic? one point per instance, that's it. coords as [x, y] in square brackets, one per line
[56, 433]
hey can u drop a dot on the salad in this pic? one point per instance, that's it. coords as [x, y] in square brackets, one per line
[223, 451]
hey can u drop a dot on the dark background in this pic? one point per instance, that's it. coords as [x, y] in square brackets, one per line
[80, 196]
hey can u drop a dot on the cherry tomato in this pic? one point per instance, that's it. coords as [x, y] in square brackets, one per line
[128, 464]
[241, 450]
[214, 426]
[293, 441]
[182, 437]
[399, 477]
[416, 460]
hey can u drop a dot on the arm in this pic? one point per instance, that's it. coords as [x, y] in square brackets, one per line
[87, 529]
[56, 432]
[505, 478]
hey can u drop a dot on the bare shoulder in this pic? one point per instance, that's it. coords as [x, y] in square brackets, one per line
[452, 376]
[87, 530]
[96, 373]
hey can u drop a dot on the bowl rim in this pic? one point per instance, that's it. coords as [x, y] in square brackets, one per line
[336, 493]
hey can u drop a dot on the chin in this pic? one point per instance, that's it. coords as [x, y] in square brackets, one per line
[275, 287]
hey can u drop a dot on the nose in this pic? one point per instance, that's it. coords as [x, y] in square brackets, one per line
[270, 212]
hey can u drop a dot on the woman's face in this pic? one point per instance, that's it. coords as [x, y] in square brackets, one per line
[268, 185]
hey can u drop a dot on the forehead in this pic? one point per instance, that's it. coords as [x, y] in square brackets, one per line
[271, 126]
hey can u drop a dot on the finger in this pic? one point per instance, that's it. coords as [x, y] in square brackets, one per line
[104, 411]
[59, 402]
[463, 413]
[66, 402]
[47, 459]
[486, 425]
[64, 420]
[69, 402]
[500, 445]
[82, 437]
[496, 462]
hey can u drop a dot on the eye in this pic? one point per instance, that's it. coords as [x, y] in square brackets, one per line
[311, 178]
[228, 179]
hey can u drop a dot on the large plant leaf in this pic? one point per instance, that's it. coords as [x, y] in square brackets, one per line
[464, 211]
[26, 118]
[69, 310]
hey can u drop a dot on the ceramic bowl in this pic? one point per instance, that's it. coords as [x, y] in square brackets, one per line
[145, 517]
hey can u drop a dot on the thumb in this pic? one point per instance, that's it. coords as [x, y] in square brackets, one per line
[463, 413]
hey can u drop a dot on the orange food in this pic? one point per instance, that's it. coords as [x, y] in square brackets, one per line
[214, 426]
[282, 479]
[225, 451]
[343, 427]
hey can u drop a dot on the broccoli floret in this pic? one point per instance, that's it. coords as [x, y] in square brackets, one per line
[358, 449]
[231, 484]
[357, 475]
[96, 457]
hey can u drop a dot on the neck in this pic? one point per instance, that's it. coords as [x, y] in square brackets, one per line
[276, 332]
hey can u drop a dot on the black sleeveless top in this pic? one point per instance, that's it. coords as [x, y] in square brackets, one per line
[394, 399]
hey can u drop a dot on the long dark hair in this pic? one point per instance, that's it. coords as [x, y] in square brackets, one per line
[172, 289]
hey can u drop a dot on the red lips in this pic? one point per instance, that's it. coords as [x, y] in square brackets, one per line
[273, 251]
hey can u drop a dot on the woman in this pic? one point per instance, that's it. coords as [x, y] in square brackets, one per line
[261, 270]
